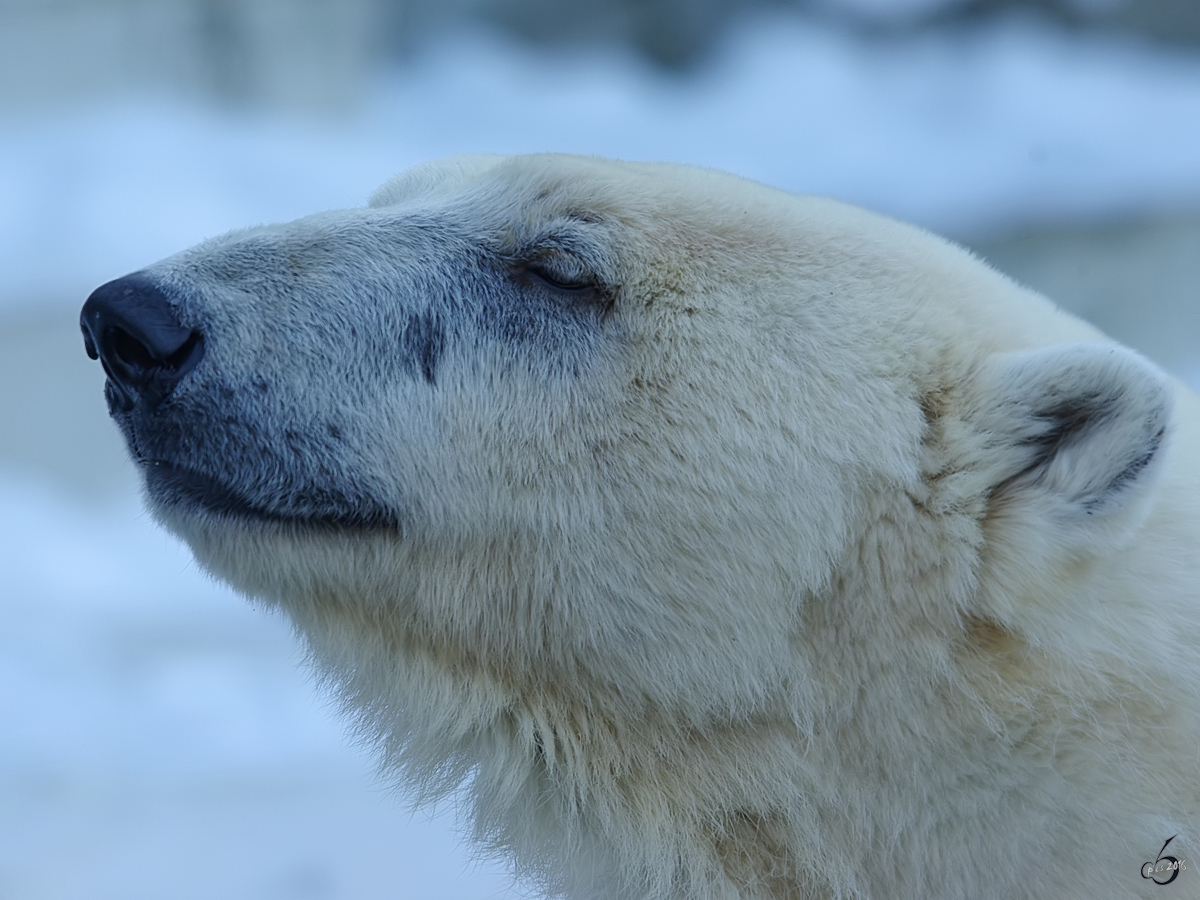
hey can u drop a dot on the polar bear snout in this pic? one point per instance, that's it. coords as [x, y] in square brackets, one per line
[130, 325]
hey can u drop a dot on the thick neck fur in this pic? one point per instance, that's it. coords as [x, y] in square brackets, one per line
[567, 770]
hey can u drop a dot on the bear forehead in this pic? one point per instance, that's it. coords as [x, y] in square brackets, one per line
[633, 194]
[543, 176]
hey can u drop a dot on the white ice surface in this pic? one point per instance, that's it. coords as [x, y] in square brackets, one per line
[158, 737]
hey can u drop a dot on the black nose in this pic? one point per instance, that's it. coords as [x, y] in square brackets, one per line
[130, 326]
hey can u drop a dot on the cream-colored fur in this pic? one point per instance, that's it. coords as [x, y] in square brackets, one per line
[805, 557]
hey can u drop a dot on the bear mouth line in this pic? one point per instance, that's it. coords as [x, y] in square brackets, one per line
[174, 486]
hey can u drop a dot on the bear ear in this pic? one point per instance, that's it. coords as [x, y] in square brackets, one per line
[1072, 436]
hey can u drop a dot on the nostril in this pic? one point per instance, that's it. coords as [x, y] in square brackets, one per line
[131, 326]
[135, 357]
[125, 349]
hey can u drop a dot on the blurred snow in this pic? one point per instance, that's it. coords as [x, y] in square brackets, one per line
[964, 131]
[160, 737]
[887, 11]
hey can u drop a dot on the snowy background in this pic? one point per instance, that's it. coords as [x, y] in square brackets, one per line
[159, 736]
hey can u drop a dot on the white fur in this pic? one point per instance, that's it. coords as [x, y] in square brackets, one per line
[824, 562]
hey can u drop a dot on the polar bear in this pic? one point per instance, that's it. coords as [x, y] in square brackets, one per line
[718, 542]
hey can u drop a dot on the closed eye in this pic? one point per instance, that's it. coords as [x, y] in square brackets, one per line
[565, 279]
[574, 284]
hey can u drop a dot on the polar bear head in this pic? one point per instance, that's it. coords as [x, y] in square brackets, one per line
[569, 466]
